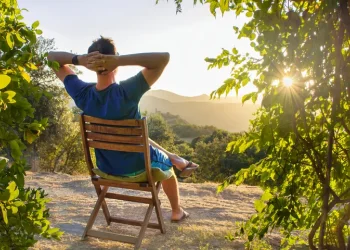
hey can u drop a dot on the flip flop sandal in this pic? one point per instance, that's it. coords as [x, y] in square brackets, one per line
[187, 171]
[184, 216]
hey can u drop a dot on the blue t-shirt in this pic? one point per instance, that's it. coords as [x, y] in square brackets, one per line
[116, 102]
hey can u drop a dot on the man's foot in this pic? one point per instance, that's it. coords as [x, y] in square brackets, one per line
[188, 170]
[186, 167]
[178, 217]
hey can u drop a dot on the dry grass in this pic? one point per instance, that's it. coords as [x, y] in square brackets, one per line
[212, 215]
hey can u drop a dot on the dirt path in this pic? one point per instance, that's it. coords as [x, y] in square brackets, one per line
[212, 215]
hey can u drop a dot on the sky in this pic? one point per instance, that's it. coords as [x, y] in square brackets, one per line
[139, 26]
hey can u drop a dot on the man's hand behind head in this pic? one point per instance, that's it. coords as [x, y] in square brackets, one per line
[103, 64]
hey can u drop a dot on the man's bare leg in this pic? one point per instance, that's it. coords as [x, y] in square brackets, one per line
[170, 186]
[171, 189]
[179, 162]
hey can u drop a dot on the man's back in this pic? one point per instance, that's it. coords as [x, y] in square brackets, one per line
[116, 102]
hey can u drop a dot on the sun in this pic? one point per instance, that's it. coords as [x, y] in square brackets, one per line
[287, 81]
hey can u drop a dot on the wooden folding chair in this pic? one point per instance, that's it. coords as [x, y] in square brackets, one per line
[127, 136]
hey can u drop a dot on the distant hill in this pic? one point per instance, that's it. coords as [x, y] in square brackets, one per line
[232, 117]
[172, 97]
[228, 114]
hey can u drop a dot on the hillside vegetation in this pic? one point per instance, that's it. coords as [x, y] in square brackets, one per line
[230, 116]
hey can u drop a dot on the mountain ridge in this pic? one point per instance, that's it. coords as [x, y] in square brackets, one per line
[173, 97]
[233, 117]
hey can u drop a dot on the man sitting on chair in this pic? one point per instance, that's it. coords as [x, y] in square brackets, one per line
[108, 100]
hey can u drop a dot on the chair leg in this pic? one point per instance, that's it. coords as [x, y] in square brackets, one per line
[144, 226]
[158, 209]
[95, 211]
[104, 205]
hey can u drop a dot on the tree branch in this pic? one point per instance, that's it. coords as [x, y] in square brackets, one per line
[344, 11]
[336, 94]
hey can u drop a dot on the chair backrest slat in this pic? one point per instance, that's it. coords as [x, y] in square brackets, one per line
[122, 135]
[114, 138]
[126, 123]
[113, 130]
[116, 146]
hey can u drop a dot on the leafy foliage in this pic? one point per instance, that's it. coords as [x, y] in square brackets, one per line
[160, 132]
[208, 150]
[304, 128]
[23, 210]
[216, 162]
[184, 129]
[59, 147]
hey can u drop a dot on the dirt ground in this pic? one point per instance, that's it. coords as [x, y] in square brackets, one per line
[212, 216]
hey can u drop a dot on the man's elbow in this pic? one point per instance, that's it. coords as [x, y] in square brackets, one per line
[50, 56]
[166, 56]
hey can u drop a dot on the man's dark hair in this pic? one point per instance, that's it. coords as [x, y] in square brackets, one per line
[104, 46]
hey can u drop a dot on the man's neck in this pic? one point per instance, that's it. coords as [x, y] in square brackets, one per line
[103, 81]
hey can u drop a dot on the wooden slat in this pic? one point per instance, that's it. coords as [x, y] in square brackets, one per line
[134, 222]
[129, 198]
[134, 186]
[116, 146]
[144, 226]
[156, 203]
[112, 236]
[87, 155]
[114, 138]
[104, 205]
[131, 123]
[113, 130]
[94, 213]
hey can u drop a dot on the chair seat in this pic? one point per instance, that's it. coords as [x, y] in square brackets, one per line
[157, 174]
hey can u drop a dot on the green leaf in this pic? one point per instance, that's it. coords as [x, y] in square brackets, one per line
[213, 6]
[15, 150]
[245, 146]
[26, 76]
[18, 203]
[259, 205]
[19, 38]
[235, 51]
[3, 163]
[35, 24]
[10, 95]
[38, 32]
[53, 230]
[4, 81]
[14, 209]
[266, 196]
[55, 65]
[224, 5]
[29, 136]
[254, 97]
[245, 81]
[4, 195]
[4, 213]
[249, 14]
[247, 97]
[20, 180]
[9, 40]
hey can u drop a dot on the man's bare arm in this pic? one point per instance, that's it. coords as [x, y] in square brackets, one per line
[64, 59]
[153, 63]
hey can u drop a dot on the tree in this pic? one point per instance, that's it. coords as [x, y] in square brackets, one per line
[303, 75]
[160, 132]
[216, 164]
[59, 147]
[23, 210]
[209, 156]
